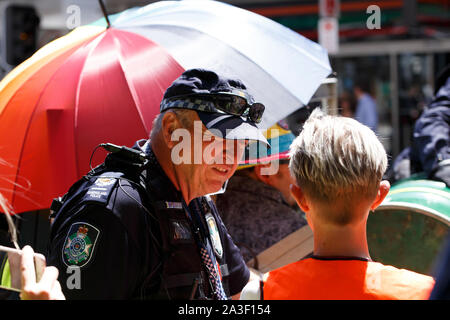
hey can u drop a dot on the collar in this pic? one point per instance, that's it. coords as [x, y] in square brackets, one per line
[339, 258]
[156, 176]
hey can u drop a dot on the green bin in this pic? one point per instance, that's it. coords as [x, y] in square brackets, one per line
[409, 228]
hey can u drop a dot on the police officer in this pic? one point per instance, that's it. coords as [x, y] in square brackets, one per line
[139, 225]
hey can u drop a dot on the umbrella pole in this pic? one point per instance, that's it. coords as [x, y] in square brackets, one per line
[102, 6]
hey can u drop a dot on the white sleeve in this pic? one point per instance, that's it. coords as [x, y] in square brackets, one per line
[251, 291]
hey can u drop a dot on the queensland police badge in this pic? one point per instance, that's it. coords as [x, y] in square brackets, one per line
[79, 244]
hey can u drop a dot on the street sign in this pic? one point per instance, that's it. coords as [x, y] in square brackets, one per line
[329, 34]
[329, 8]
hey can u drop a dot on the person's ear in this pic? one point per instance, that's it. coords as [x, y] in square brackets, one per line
[262, 177]
[169, 124]
[382, 192]
[299, 196]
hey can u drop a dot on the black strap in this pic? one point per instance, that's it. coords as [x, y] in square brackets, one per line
[261, 290]
[224, 270]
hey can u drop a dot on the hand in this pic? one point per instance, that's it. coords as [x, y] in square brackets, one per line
[442, 174]
[48, 288]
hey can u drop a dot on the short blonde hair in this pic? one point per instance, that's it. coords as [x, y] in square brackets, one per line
[334, 157]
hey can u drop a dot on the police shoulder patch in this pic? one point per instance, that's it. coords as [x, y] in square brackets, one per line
[79, 244]
[102, 187]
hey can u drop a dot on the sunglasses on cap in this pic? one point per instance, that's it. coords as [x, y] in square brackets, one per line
[224, 101]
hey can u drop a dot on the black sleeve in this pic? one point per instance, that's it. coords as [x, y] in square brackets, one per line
[432, 137]
[441, 289]
[110, 266]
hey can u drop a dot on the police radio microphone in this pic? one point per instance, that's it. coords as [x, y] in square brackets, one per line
[131, 154]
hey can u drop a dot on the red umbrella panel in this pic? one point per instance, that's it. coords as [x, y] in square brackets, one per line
[106, 89]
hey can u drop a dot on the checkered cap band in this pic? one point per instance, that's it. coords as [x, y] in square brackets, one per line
[213, 276]
[189, 103]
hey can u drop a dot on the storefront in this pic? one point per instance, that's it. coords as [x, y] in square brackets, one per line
[398, 61]
[401, 77]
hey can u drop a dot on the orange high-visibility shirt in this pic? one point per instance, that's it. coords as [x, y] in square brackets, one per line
[317, 279]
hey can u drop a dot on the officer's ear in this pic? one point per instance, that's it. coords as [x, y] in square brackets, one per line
[169, 124]
[261, 172]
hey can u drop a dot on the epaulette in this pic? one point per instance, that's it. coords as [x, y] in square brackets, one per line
[101, 189]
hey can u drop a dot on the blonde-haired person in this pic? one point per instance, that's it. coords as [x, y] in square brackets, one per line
[339, 164]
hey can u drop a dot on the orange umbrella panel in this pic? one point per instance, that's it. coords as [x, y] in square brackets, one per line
[107, 89]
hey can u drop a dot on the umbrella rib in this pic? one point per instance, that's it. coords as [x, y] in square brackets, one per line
[293, 46]
[26, 133]
[266, 72]
[39, 60]
[132, 89]
[77, 95]
[238, 51]
[30, 121]
[211, 9]
[95, 43]
[17, 91]
[246, 57]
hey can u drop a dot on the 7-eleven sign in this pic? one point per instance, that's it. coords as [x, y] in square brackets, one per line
[329, 34]
[329, 8]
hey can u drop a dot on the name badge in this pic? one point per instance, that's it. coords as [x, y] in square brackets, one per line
[214, 235]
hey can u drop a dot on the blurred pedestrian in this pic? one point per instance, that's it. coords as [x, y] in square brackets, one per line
[366, 107]
[430, 149]
[347, 104]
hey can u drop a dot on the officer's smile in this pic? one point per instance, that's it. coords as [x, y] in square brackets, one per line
[222, 169]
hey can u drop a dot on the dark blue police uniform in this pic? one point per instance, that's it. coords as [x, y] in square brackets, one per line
[430, 149]
[131, 235]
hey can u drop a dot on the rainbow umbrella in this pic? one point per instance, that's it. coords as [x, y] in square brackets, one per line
[103, 83]
[280, 139]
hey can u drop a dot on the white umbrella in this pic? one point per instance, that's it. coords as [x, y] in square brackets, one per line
[281, 68]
